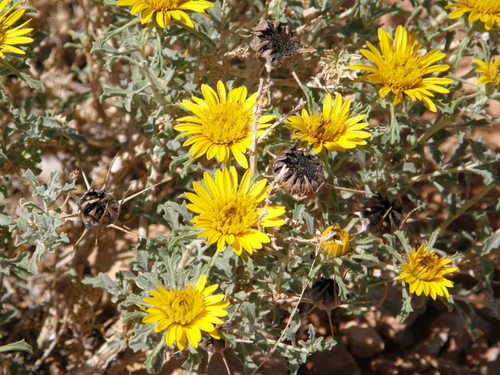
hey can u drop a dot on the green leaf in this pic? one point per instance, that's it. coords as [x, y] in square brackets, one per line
[18, 345]
[154, 360]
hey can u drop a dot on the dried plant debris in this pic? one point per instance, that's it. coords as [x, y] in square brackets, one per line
[98, 209]
[298, 173]
[213, 346]
[335, 66]
[324, 294]
[381, 213]
[275, 43]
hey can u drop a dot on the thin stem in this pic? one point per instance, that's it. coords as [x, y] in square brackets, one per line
[155, 86]
[120, 29]
[11, 68]
[394, 126]
[257, 109]
[467, 97]
[431, 131]
[281, 345]
[292, 314]
[426, 176]
[282, 119]
[210, 44]
[408, 215]
[415, 13]
[329, 186]
[476, 198]
[225, 363]
[223, 22]
[455, 58]
[330, 323]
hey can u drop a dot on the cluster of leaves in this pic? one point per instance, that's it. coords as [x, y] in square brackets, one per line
[147, 71]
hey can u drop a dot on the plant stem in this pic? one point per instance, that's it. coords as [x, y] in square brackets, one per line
[257, 109]
[154, 84]
[292, 314]
[476, 198]
[394, 126]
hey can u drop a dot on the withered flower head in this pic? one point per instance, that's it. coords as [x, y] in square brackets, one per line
[98, 209]
[335, 241]
[275, 43]
[324, 294]
[382, 214]
[298, 173]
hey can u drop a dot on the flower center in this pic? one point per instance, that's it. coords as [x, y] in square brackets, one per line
[328, 130]
[235, 215]
[164, 5]
[183, 306]
[227, 123]
[483, 6]
[427, 267]
[402, 74]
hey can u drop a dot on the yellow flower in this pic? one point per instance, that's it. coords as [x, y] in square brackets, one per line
[186, 312]
[221, 124]
[335, 241]
[166, 10]
[491, 71]
[486, 11]
[400, 69]
[11, 36]
[331, 129]
[425, 273]
[229, 215]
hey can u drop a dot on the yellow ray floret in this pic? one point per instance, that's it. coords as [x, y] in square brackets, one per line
[491, 71]
[186, 312]
[401, 69]
[11, 36]
[221, 124]
[332, 129]
[485, 11]
[229, 214]
[425, 272]
[164, 11]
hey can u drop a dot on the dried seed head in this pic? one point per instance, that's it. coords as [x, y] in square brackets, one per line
[275, 43]
[324, 294]
[98, 209]
[335, 241]
[298, 173]
[382, 214]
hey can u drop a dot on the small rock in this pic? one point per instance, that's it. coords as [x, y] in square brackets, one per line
[394, 330]
[447, 331]
[335, 361]
[364, 342]
[384, 366]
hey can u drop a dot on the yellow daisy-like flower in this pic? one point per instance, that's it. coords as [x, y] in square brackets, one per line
[486, 11]
[332, 129]
[229, 214]
[166, 10]
[186, 312]
[335, 241]
[491, 71]
[400, 69]
[15, 35]
[425, 273]
[221, 124]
